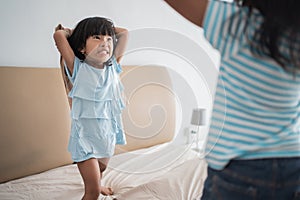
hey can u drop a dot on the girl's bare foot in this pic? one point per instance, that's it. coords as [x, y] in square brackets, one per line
[106, 191]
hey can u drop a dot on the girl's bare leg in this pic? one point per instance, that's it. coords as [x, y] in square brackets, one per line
[103, 165]
[91, 175]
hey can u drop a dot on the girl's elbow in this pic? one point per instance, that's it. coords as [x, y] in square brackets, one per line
[122, 33]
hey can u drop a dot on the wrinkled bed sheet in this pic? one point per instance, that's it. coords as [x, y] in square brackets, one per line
[164, 172]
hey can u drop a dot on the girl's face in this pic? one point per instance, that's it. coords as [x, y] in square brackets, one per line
[98, 49]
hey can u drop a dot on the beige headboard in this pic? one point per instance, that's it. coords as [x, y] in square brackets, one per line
[35, 123]
[150, 113]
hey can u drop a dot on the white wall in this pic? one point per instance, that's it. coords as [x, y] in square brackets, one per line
[158, 35]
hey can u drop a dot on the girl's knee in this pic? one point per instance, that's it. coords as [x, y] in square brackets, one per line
[102, 167]
[103, 164]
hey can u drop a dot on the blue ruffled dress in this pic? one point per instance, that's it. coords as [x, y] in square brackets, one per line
[97, 104]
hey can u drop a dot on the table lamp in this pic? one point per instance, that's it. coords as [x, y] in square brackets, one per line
[198, 119]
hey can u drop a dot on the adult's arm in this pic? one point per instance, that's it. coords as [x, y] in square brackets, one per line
[193, 10]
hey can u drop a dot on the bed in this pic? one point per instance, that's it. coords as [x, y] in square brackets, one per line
[34, 121]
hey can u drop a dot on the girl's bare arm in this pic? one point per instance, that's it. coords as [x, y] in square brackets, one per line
[193, 10]
[122, 38]
[60, 37]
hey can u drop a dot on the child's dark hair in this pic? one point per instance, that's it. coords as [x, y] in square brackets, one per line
[89, 27]
[280, 25]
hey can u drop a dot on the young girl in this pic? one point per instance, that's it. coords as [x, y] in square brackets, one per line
[253, 147]
[91, 53]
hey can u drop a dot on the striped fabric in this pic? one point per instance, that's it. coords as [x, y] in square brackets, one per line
[256, 106]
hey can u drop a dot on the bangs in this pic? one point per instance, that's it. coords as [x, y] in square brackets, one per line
[99, 26]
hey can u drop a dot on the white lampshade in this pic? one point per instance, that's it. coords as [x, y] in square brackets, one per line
[198, 117]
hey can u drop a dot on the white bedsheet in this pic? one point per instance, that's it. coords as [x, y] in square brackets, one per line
[166, 171]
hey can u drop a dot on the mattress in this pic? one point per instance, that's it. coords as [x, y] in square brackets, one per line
[164, 171]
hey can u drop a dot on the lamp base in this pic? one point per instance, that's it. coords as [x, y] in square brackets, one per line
[198, 150]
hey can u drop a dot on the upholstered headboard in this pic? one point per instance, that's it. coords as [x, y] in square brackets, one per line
[150, 113]
[35, 123]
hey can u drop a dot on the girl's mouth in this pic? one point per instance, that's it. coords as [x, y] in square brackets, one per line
[103, 51]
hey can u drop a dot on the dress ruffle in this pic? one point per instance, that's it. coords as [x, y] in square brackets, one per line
[108, 109]
[97, 94]
[94, 138]
[95, 87]
[97, 104]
